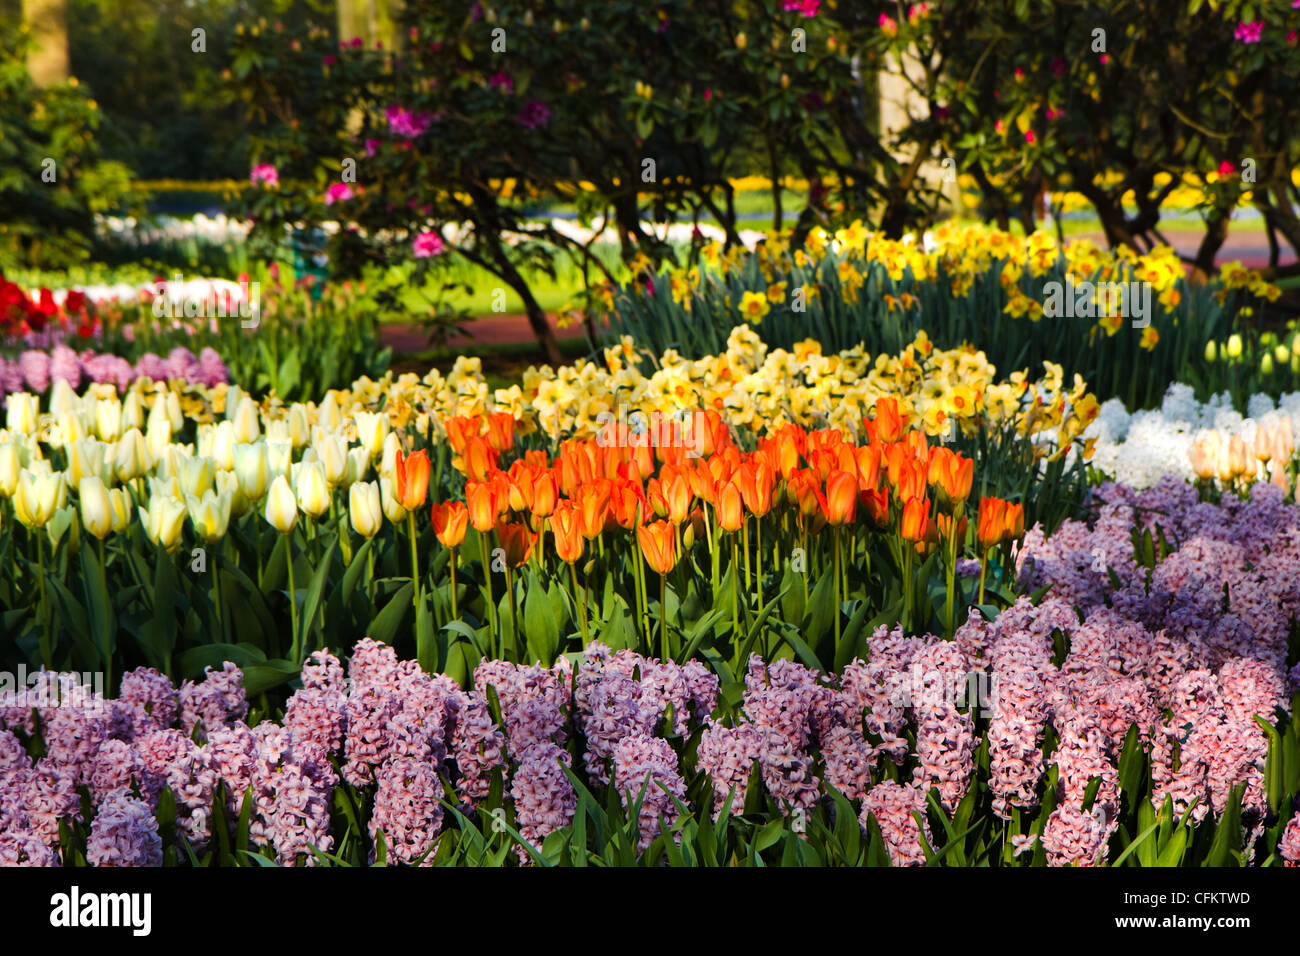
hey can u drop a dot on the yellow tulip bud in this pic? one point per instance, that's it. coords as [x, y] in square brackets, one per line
[131, 457]
[311, 487]
[299, 429]
[121, 502]
[328, 414]
[247, 421]
[332, 451]
[96, 508]
[281, 506]
[365, 508]
[1211, 351]
[163, 520]
[37, 496]
[253, 470]
[108, 419]
[1234, 346]
[9, 469]
[133, 411]
[85, 459]
[210, 514]
[372, 429]
[195, 475]
[22, 413]
[395, 512]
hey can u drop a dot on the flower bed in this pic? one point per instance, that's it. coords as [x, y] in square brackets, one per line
[1141, 711]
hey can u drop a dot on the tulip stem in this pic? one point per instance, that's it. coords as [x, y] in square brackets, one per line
[663, 617]
[487, 579]
[47, 652]
[415, 565]
[216, 594]
[514, 617]
[839, 587]
[984, 563]
[293, 600]
[735, 599]
[582, 608]
[455, 614]
[370, 574]
[744, 544]
[645, 601]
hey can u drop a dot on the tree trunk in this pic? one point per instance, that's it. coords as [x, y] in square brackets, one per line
[1216, 233]
[48, 20]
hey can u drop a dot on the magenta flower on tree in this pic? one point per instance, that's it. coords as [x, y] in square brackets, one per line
[534, 114]
[338, 192]
[427, 244]
[264, 173]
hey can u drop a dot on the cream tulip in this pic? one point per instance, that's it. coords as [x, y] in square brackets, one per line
[328, 414]
[108, 419]
[133, 411]
[372, 429]
[121, 509]
[299, 428]
[365, 508]
[37, 496]
[96, 507]
[332, 452]
[210, 514]
[253, 470]
[247, 421]
[9, 469]
[281, 506]
[163, 520]
[358, 465]
[131, 456]
[311, 487]
[22, 412]
[395, 512]
[195, 474]
[86, 459]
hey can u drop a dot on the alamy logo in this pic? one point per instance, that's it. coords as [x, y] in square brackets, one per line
[1098, 300]
[76, 909]
[42, 689]
[627, 428]
[175, 300]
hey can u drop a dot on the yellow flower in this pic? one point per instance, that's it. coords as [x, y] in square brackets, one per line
[281, 506]
[1149, 338]
[96, 507]
[753, 306]
[365, 508]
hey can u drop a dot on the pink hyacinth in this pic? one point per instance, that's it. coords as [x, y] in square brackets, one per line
[124, 833]
[544, 797]
[408, 811]
[645, 768]
[893, 804]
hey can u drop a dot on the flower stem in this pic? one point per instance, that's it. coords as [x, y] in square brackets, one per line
[293, 602]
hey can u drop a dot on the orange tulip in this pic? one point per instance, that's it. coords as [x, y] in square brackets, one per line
[677, 494]
[802, 490]
[731, 513]
[628, 504]
[481, 499]
[990, 525]
[460, 431]
[868, 462]
[522, 478]
[951, 475]
[915, 525]
[841, 498]
[449, 521]
[755, 481]
[593, 502]
[517, 541]
[659, 544]
[501, 431]
[479, 458]
[566, 528]
[545, 495]
[411, 479]
[946, 529]
[887, 426]
[1015, 522]
[877, 505]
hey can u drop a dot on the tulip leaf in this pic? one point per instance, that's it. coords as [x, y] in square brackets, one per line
[196, 659]
[99, 606]
[358, 565]
[821, 608]
[262, 677]
[385, 624]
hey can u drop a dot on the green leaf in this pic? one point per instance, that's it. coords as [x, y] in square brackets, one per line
[384, 625]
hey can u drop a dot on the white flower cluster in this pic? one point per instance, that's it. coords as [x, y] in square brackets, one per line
[1139, 448]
